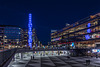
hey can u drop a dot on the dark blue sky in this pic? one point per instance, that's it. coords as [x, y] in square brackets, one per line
[47, 15]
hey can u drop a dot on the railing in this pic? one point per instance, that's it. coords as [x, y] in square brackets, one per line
[40, 49]
[6, 56]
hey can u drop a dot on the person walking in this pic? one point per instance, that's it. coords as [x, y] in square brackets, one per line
[33, 55]
[96, 55]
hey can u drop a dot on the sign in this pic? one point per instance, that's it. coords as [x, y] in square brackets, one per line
[95, 50]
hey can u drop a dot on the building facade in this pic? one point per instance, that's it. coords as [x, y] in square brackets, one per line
[10, 35]
[16, 36]
[35, 41]
[82, 34]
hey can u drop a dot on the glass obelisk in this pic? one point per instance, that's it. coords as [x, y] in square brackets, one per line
[30, 31]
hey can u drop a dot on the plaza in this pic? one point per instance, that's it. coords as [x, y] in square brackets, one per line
[53, 61]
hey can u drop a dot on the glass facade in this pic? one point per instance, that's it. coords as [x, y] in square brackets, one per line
[81, 32]
[12, 33]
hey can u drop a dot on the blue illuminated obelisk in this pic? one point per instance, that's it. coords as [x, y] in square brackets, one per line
[30, 31]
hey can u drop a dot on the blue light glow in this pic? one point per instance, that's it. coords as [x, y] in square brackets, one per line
[30, 31]
[88, 25]
[96, 50]
[88, 30]
[72, 44]
[36, 45]
[87, 37]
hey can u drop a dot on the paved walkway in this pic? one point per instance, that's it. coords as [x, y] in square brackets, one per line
[24, 59]
[63, 61]
[52, 60]
[18, 62]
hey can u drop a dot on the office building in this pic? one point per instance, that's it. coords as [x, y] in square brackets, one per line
[35, 41]
[10, 34]
[82, 34]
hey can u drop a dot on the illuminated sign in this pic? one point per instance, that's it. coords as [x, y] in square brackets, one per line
[72, 44]
[95, 50]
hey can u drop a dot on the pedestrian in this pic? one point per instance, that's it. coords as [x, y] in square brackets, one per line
[87, 62]
[33, 56]
[96, 56]
[41, 54]
[91, 56]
